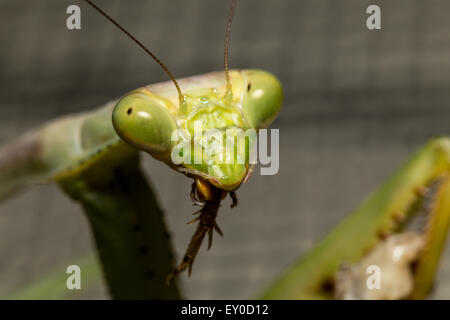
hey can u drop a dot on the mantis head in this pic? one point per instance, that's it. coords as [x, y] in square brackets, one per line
[209, 135]
[207, 132]
[207, 126]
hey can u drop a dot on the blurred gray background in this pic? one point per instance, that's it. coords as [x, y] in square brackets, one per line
[357, 104]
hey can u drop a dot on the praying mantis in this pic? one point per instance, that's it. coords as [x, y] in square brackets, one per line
[145, 120]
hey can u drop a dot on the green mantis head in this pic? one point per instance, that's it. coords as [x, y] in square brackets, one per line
[196, 137]
[262, 99]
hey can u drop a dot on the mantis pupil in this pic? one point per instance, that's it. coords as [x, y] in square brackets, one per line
[129, 111]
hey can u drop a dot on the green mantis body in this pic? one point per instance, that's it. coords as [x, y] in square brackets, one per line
[66, 146]
[94, 158]
[174, 126]
[146, 119]
[44, 154]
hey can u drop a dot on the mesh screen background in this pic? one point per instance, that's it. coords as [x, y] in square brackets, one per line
[357, 104]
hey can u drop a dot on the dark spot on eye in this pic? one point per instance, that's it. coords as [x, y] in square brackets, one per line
[249, 86]
[129, 111]
[327, 286]
[143, 249]
[149, 274]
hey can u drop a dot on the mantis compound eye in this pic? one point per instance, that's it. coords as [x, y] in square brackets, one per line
[144, 122]
[262, 99]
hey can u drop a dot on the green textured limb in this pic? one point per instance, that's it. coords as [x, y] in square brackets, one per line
[381, 214]
[436, 233]
[53, 285]
[128, 226]
[83, 153]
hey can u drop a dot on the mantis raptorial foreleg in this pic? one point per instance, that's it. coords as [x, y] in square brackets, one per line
[128, 226]
[435, 231]
[84, 155]
[385, 212]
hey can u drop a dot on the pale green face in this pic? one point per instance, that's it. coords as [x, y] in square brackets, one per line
[201, 132]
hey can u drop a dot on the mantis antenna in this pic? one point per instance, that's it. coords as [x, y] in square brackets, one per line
[227, 45]
[180, 95]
